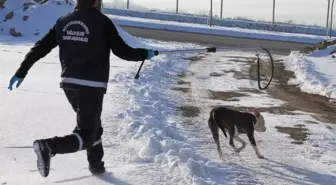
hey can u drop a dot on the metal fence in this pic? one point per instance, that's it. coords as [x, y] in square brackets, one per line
[307, 12]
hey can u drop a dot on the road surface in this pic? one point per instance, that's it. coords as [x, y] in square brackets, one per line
[212, 40]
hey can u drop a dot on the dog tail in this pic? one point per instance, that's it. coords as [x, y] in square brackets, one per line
[213, 120]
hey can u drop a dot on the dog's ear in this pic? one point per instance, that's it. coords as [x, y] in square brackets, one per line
[256, 112]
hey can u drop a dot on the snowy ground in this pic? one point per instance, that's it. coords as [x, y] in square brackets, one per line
[315, 73]
[38, 119]
[312, 162]
[146, 141]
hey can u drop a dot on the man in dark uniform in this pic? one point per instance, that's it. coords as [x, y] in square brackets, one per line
[85, 38]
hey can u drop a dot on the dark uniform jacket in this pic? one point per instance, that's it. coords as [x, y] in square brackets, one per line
[85, 38]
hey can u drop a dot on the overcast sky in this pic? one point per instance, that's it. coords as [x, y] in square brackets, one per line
[300, 11]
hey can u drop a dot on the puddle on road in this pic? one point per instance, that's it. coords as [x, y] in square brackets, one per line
[239, 57]
[182, 82]
[241, 61]
[319, 105]
[227, 96]
[188, 111]
[280, 110]
[216, 74]
[298, 133]
[253, 91]
[311, 122]
[239, 75]
[195, 58]
[182, 89]
[185, 74]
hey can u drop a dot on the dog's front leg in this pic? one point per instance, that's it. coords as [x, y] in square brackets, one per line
[232, 135]
[214, 130]
[237, 138]
[254, 145]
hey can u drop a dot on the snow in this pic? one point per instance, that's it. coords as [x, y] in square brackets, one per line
[314, 73]
[216, 30]
[146, 141]
[32, 26]
[323, 52]
[225, 22]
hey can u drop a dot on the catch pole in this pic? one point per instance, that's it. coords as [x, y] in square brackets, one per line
[214, 50]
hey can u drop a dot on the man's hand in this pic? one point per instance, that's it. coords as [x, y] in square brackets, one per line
[151, 54]
[13, 80]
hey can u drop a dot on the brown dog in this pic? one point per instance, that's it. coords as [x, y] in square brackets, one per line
[236, 122]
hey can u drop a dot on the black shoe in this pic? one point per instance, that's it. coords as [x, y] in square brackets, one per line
[44, 155]
[97, 168]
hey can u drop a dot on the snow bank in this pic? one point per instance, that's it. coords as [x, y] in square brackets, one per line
[28, 18]
[247, 24]
[324, 52]
[149, 121]
[314, 73]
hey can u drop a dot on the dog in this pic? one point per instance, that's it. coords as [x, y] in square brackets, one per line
[236, 122]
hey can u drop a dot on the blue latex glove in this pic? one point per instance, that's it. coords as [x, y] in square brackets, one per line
[151, 54]
[13, 80]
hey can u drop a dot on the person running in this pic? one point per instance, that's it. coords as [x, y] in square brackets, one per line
[85, 38]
